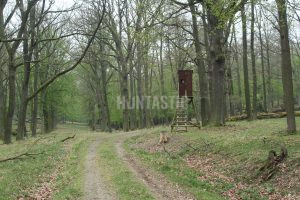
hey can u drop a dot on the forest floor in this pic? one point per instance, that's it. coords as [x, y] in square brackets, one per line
[224, 162]
[211, 163]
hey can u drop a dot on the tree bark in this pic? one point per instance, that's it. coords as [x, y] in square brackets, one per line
[236, 57]
[209, 63]
[262, 65]
[217, 43]
[161, 67]
[27, 57]
[2, 105]
[125, 95]
[245, 63]
[36, 98]
[46, 126]
[286, 66]
[254, 76]
[132, 103]
[269, 79]
[2, 88]
[147, 114]
[11, 100]
[139, 80]
[104, 96]
[230, 90]
[204, 104]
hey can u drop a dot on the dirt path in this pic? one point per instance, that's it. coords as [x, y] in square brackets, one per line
[156, 183]
[94, 187]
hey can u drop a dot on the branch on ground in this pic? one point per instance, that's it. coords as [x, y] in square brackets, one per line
[21, 155]
[68, 138]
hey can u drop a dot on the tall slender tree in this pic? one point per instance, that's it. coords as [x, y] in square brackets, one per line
[253, 61]
[245, 63]
[286, 65]
[203, 85]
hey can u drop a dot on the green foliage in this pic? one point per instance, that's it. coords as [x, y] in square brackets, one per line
[65, 95]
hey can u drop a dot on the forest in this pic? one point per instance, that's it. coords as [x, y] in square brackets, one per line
[73, 68]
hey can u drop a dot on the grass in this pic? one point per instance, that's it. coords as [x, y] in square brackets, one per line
[175, 170]
[236, 151]
[70, 180]
[23, 176]
[117, 174]
[18, 176]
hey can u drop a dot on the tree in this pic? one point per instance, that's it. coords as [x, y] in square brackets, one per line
[262, 58]
[203, 84]
[286, 65]
[253, 61]
[220, 17]
[12, 68]
[245, 63]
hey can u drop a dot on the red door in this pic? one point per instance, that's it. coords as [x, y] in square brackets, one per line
[185, 83]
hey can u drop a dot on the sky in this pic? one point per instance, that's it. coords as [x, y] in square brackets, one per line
[64, 3]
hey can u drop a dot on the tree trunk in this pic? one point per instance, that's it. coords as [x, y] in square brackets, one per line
[162, 75]
[125, 97]
[209, 63]
[52, 117]
[146, 86]
[2, 88]
[286, 66]
[132, 103]
[236, 57]
[27, 55]
[161, 67]
[46, 126]
[269, 80]
[92, 121]
[139, 49]
[262, 66]
[105, 99]
[230, 90]
[35, 99]
[218, 62]
[254, 113]
[245, 63]
[11, 100]
[204, 104]
[171, 66]
[2, 105]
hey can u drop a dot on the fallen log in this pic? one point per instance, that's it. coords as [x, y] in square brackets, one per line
[68, 138]
[272, 115]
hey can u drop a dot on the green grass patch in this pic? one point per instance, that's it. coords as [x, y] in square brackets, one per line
[118, 175]
[175, 170]
[18, 176]
[70, 180]
[23, 176]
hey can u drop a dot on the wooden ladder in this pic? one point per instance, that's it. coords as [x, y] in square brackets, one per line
[181, 121]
